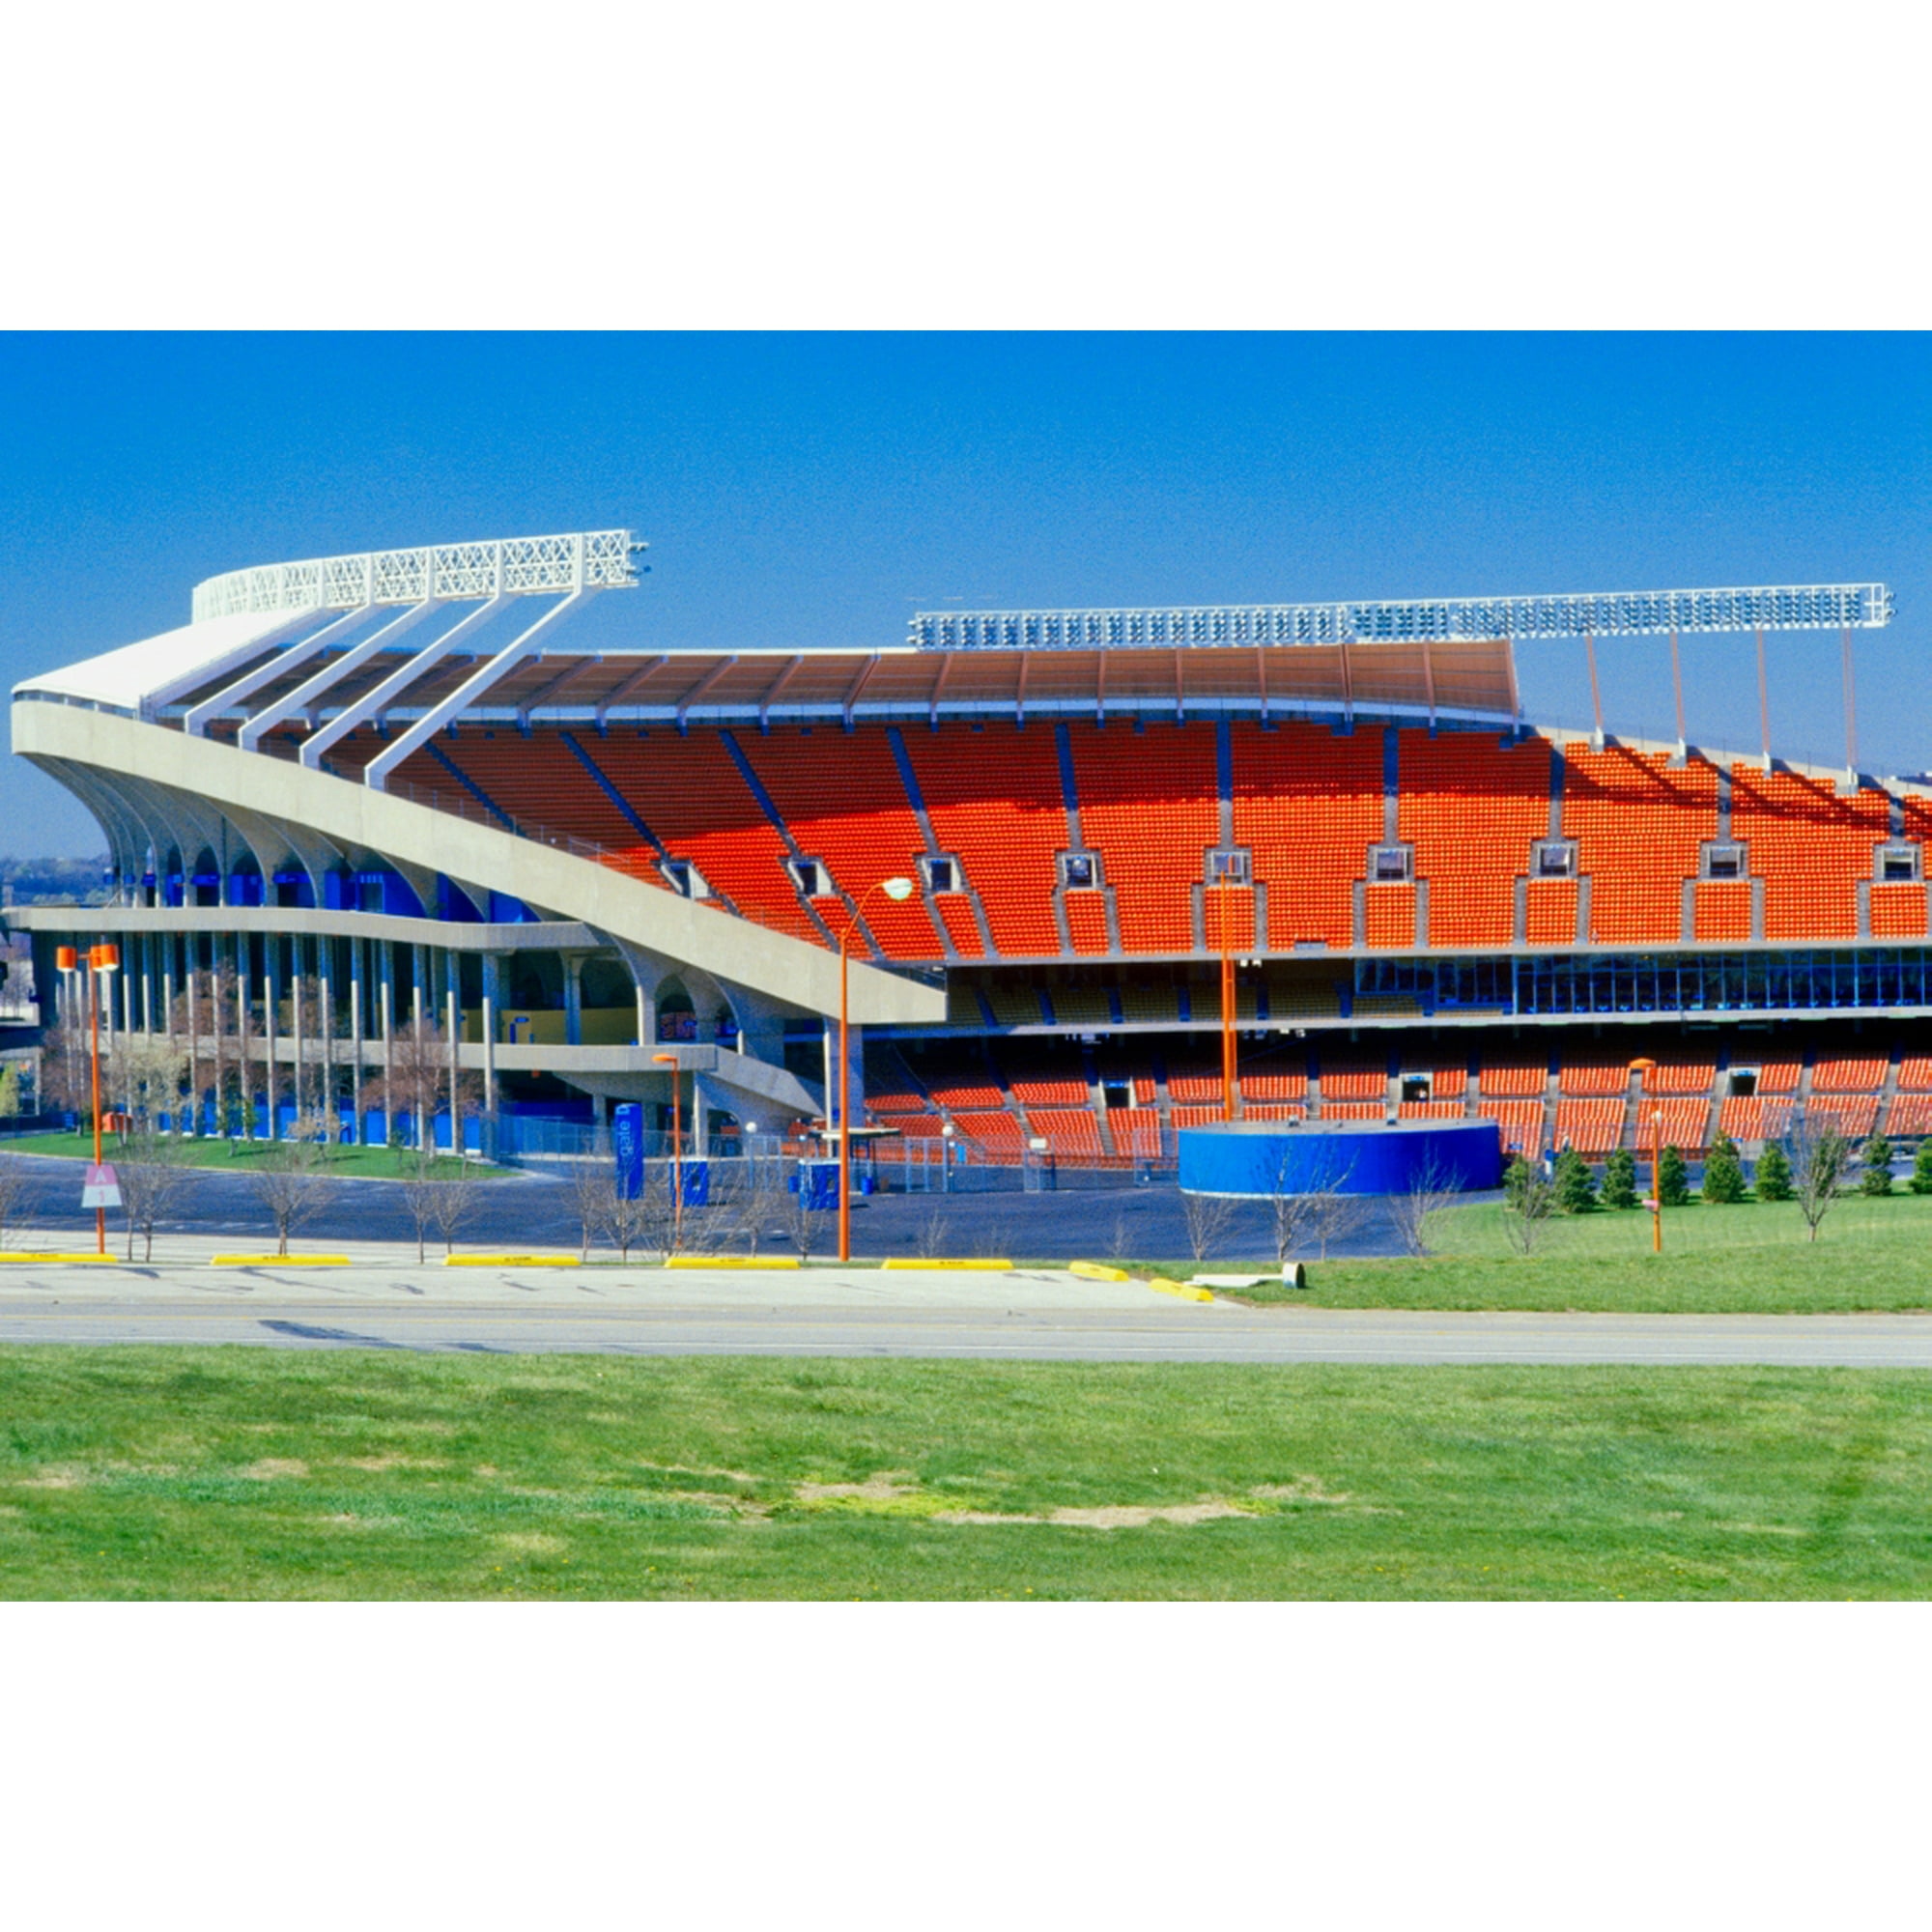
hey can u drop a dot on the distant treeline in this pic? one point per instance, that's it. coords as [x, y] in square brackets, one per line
[41, 881]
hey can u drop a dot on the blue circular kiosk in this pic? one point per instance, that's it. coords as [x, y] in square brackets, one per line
[1266, 1157]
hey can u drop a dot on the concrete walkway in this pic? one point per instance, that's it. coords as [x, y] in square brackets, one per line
[387, 1301]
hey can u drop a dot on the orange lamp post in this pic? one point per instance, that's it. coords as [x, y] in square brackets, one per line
[676, 1152]
[101, 959]
[1222, 887]
[1645, 1069]
[898, 890]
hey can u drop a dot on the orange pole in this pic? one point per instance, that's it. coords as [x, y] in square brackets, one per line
[94, 1011]
[676, 1163]
[844, 1095]
[1655, 1177]
[1227, 1012]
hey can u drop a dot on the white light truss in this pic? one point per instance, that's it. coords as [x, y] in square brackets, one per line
[1816, 607]
[442, 573]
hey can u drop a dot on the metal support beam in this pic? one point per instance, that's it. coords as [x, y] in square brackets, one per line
[311, 691]
[195, 722]
[1677, 695]
[1851, 714]
[1763, 700]
[466, 693]
[374, 703]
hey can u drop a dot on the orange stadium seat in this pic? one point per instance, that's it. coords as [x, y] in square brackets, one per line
[1308, 805]
[1518, 1122]
[1136, 1132]
[1847, 1077]
[1682, 1123]
[1512, 1078]
[1584, 1077]
[1809, 846]
[1911, 1115]
[993, 798]
[1590, 1127]
[1274, 1086]
[842, 797]
[1149, 806]
[1680, 1077]
[1639, 827]
[1353, 1080]
[1473, 808]
[1898, 912]
[1851, 1114]
[1914, 1073]
[1747, 1118]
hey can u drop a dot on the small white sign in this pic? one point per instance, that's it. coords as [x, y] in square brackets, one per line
[101, 1188]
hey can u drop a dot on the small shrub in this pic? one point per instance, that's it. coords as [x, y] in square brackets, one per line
[1724, 1174]
[1575, 1184]
[1673, 1183]
[1620, 1179]
[1773, 1173]
[1920, 1182]
[1876, 1157]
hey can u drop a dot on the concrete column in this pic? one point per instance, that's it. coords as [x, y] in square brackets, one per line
[453, 998]
[324, 976]
[244, 995]
[355, 975]
[270, 1004]
[386, 994]
[492, 999]
[573, 999]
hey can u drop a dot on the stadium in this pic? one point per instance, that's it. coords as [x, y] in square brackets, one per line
[373, 799]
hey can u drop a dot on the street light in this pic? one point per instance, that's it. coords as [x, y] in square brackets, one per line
[677, 1152]
[897, 890]
[1645, 1069]
[104, 958]
[1223, 885]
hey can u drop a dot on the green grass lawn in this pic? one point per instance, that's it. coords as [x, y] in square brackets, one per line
[370, 1163]
[145, 1472]
[1870, 1254]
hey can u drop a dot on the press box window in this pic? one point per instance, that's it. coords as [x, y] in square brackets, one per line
[1228, 868]
[1079, 870]
[1388, 865]
[1899, 864]
[680, 876]
[1554, 858]
[1724, 862]
[812, 879]
[942, 875]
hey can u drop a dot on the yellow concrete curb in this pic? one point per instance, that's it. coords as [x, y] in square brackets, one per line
[279, 1261]
[17, 1260]
[731, 1261]
[901, 1264]
[1098, 1271]
[1185, 1290]
[511, 1261]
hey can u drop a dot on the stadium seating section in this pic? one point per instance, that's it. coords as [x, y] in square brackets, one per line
[1307, 803]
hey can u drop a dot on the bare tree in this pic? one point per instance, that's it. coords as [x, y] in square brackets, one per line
[1209, 1217]
[152, 1168]
[419, 1186]
[589, 1185]
[13, 1195]
[1431, 1188]
[1290, 1209]
[799, 1221]
[148, 1070]
[1820, 1157]
[290, 1177]
[1530, 1201]
[451, 1204]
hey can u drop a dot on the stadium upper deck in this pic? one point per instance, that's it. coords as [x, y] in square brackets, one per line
[1346, 796]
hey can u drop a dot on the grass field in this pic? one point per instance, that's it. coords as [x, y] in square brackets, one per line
[248, 1473]
[1870, 1254]
[366, 1163]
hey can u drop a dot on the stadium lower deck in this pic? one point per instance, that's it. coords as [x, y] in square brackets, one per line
[1430, 908]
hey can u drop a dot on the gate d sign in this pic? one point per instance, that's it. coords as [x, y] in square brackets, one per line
[101, 1188]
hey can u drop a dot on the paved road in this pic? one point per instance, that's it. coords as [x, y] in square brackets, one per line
[1023, 1329]
[525, 1207]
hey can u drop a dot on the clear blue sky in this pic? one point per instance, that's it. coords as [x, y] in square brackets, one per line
[816, 490]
